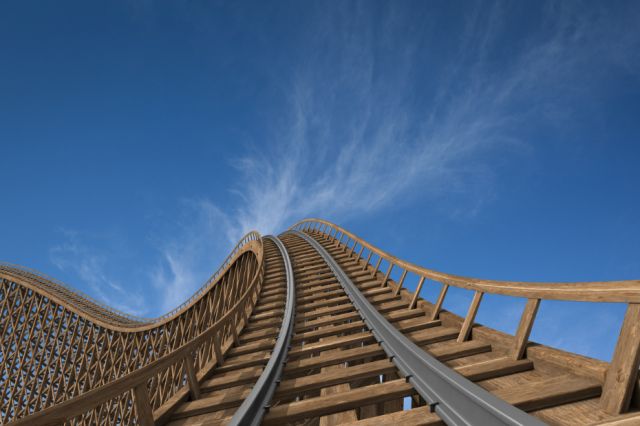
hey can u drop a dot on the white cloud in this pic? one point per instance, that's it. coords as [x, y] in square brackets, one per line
[191, 249]
[352, 143]
[78, 257]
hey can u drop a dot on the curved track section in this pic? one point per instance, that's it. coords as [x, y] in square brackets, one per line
[455, 399]
[57, 344]
[253, 408]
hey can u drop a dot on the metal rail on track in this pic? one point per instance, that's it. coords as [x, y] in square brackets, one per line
[256, 404]
[455, 399]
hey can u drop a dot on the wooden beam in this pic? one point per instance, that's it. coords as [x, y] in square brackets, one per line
[622, 373]
[416, 294]
[415, 417]
[438, 306]
[143, 406]
[323, 405]
[333, 377]
[524, 328]
[471, 317]
[550, 393]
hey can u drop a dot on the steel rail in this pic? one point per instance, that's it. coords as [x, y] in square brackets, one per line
[256, 404]
[455, 399]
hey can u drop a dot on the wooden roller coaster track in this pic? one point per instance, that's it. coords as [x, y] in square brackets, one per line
[315, 326]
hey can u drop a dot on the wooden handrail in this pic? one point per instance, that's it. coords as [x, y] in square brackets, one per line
[598, 291]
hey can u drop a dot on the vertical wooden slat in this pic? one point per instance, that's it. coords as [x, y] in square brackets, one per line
[399, 287]
[143, 406]
[439, 302]
[194, 386]
[366, 262]
[524, 328]
[375, 270]
[416, 294]
[470, 318]
[623, 371]
[217, 348]
[386, 276]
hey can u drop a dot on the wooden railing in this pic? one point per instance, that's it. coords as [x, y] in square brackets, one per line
[207, 348]
[621, 375]
[62, 363]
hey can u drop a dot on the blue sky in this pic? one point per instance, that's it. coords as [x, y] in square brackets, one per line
[139, 140]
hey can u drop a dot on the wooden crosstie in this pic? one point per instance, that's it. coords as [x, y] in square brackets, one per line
[219, 358]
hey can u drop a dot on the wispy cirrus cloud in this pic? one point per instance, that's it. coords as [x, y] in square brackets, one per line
[77, 256]
[190, 250]
[358, 135]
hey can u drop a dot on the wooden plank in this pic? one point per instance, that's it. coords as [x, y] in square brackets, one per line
[331, 330]
[524, 328]
[244, 361]
[327, 320]
[627, 420]
[333, 377]
[549, 393]
[247, 348]
[451, 350]
[232, 378]
[334, 357]
[420, 416]
[433, 335]
[323, 405]
[143, 407]
[213, 402]
[494, 368]
[415, 324]
[621, 375]
[331, 343]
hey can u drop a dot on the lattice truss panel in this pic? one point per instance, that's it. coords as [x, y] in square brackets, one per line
[51, 351]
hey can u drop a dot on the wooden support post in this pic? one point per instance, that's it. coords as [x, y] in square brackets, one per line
[366, 263]
[439, 302]
[234, 329]
[217, 348]
[143, 406]
[194, 386]
[471, 317]
[524, 328]
[360, 252]
[623, 371]
[375, 270]
[416, 294]
[399, 287]
[386, 276]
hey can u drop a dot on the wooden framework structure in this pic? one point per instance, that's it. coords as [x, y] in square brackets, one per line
[67, 359]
